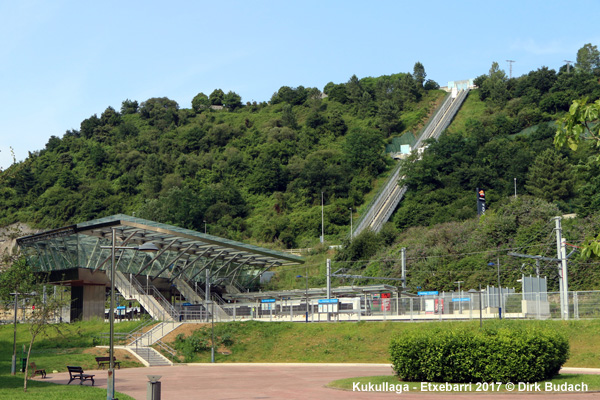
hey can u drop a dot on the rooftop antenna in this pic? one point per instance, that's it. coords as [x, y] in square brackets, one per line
[510, 62]
[568, 65]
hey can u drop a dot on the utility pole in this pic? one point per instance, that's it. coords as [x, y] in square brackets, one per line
[568, 65]
[563, 258]
[562, 269]
[510, 62]
[515, 187]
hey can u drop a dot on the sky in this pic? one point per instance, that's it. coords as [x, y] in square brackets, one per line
[64, 61]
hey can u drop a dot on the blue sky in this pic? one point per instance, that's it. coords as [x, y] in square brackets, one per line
[63, 61]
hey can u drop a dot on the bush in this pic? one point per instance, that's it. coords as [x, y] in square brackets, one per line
[489, 355]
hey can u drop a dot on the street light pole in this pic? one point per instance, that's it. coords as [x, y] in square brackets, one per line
[146, 247]
[13, 368]
[110, 384]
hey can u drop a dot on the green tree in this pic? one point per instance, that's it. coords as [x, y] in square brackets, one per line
[550, 177]
[419, 74]
[581, 123]
[354, 89]
[110, 117]
[494, 88]
[88, 126]
[200, 102]
[288, 118]
[160, 112]
[232, 100]
[129, 107]
[363, 150]
[216, 97]
[389, 117]
[588, 58]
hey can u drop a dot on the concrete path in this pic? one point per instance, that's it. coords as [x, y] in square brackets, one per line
[281, 382]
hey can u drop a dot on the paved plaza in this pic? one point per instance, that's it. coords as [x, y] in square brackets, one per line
[278, 381]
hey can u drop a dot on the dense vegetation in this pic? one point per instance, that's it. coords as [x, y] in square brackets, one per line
[502, 137]
[258, 171]
[251, 171]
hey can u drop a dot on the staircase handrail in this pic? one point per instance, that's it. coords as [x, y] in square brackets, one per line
[216, 297]
[141, 290]
[139, 331]
[166, 348]
[173, 313]
[134, 284]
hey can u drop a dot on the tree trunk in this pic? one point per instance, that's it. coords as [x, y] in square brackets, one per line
[33, 335]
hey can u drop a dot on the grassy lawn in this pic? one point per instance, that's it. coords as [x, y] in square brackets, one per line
[363, 342]
[53, 353]
[11, 387]
[592, 382]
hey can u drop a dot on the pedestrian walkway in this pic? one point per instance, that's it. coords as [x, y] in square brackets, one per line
[280, 382]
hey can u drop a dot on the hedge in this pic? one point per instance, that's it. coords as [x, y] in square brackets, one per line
[462, 355]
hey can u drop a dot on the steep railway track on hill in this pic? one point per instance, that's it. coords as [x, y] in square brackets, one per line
[390, 196]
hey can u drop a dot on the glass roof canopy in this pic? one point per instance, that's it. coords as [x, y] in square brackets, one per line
[183, 253]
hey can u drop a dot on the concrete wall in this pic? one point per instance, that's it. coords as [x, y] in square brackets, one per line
[87, 302]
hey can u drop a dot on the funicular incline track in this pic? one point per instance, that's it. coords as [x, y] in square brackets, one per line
[393, 191]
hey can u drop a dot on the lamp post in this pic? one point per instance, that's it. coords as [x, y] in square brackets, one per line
[146, 247]
[300, 276]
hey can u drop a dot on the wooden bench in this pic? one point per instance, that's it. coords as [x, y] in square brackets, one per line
[35, 370]
[102, 361]
[77, 373]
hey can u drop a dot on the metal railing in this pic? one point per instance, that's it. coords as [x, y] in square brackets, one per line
[446, 306]
[150, 298]
[163, 346]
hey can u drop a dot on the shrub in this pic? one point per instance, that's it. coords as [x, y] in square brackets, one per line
[489, 355]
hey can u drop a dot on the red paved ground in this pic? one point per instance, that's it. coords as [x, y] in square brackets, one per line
[276, 381]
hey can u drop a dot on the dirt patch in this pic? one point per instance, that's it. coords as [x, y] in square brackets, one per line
[185, 329]
[120, 354]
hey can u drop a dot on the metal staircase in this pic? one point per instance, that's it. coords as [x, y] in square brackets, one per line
[198, 296]
[387, 200]
[150, 298]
